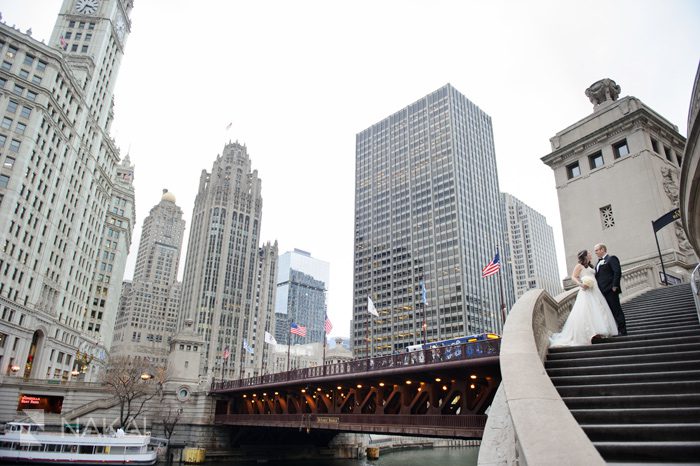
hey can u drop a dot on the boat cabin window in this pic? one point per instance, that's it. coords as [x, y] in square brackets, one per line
[53, 447]
[85, 449]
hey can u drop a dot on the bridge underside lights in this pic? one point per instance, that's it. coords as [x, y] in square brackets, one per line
[435, 393]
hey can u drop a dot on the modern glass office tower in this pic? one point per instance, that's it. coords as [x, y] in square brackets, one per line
[148, 315]
[427, 209]
[302, 282]
[228, 284]
[60, 182]
[532, 252]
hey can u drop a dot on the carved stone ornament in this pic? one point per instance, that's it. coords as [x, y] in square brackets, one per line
[603, 91]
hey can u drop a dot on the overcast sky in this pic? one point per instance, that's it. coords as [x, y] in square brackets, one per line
[298, 80]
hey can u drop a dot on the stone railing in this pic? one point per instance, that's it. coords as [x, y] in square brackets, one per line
[528, 422]
[638, 279]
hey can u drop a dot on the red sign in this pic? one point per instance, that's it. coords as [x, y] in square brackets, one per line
[49, 403]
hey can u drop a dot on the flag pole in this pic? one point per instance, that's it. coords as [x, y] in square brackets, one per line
[367, 335]
[503, 301]
[325, 338]
[289, 342]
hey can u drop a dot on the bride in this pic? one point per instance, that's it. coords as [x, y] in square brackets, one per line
[590, 315]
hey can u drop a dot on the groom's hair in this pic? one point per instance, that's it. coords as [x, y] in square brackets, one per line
[601, 246]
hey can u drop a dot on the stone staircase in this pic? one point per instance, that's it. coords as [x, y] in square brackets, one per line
[637, 397]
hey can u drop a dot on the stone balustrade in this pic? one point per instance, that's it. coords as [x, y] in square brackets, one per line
[528, 422]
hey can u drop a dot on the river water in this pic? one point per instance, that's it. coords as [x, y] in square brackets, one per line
[450, 456]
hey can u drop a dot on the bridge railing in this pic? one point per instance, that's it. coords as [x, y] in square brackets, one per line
[473, 350]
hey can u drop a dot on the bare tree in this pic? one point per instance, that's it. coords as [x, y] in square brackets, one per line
[134, 383]
[169, 417]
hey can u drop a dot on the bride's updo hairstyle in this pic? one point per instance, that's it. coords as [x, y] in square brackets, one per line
[583, 257]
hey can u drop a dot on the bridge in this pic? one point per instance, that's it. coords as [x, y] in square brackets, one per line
[439, 392]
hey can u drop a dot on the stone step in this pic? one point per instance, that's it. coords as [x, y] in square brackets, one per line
[637, 415]
[666, 452]
[615, 343]
[596, 352]
[671, 328]
[635, 377]
[668, 432]
[692, 365]
[641, 388]
[688, 400]
[654, 335]
[661, 320]
[619, 360]
[670, 306]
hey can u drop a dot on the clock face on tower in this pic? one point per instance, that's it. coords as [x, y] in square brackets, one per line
[87, 7]
[120, 26]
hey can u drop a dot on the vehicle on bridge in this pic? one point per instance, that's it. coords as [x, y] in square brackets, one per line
[453, 341]
[25, 442]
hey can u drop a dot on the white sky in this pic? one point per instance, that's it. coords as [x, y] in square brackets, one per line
[298, 80]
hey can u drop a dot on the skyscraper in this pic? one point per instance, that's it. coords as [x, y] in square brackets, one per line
[58, 180]
[227, 286]
[151, 303]
[532, 252]
[302, 282]
[427, 211]
[617, 170]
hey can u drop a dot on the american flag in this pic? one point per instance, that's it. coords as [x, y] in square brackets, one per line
[227, 353]
[493, 266]
[328, 325]
[297, 329]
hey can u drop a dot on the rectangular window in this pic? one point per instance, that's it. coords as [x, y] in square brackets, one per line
[71, 24]
[26, 111]
[6, 65]
[9, 162]
[2, 140]
[3, 81]
[74, 48]
[36, 79]
[18, 90]
[11, 106]
[41, 66]
[573, 170]
[31, 95]
[84, 49]
[20, 128]
[667, 153]
[24, 74]
[655, 145]
[14, 145]
[78, 35]
[68, 35]
[6, 123]
[28, 60]
[91, 26]
[620, 149]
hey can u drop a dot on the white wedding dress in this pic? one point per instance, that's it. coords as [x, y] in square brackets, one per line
[589, 317]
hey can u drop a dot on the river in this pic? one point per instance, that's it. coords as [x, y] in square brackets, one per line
[450, 456]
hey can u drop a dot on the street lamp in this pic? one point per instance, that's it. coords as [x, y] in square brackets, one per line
[14, 368]
[146, 376]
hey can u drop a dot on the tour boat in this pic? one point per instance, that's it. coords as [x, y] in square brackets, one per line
[29, 443]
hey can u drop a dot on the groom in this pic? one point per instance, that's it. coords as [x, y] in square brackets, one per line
[608, 274]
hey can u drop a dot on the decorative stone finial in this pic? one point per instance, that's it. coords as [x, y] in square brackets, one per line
[168, 196]
[605, 90]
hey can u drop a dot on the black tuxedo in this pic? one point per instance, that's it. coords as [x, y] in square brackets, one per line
[608, 274]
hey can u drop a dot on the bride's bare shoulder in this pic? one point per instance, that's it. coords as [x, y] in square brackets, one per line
[577, 270]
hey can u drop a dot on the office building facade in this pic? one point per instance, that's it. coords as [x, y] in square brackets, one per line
[427, 210]
[226, 287]
[302, 283]
[58, 180]
[533, 257]
[148, 316]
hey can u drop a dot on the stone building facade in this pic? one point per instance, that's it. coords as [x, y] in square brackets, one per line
[60, 176]
[616, 171]
[228, 285]
[150, 308]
